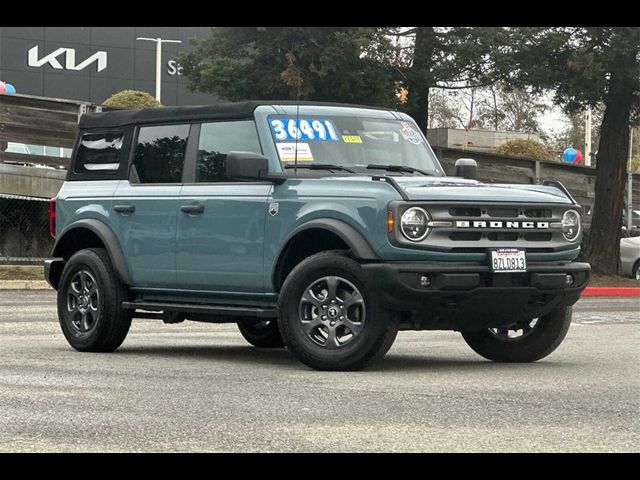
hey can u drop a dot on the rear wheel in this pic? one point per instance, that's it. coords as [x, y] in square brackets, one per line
[261, 334]
[90, 297]
[636, 271]
[329, 318]
[524, 342]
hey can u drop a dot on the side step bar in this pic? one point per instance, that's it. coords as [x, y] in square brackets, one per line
[257, 312]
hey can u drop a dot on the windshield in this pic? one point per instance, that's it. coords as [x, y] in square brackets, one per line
[353, 142]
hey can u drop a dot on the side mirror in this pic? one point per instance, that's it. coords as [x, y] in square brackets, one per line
[467, 168]
[247, 166]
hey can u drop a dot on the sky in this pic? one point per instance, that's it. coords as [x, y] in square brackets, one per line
[553, 120]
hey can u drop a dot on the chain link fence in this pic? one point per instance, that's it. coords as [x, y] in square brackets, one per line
[24, 230]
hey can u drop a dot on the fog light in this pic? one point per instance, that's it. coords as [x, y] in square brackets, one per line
[425, 281]
[570, 280]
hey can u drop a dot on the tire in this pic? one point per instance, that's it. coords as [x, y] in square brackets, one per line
[538, 340]
[635, 272]
[264, 334]
[343, 339]
[104, 324]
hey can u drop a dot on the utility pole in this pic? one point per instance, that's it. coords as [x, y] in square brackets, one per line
[587, 138]
[630, 184]
[159, 42]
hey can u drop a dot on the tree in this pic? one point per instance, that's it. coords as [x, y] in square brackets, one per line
[512, 110]
[456, 109]
[587, 66]
[573, 135]
[132, 99]
[445, 110]
[451, 58]
[496, 107]
[342, 64]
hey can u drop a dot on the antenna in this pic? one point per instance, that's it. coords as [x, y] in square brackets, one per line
[297, 132]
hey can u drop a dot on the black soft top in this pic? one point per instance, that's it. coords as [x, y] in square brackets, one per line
[220, 111]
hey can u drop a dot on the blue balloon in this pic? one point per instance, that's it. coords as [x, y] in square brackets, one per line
[570, 155]
[10, 89]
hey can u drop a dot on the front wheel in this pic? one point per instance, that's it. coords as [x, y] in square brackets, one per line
[329, 318]
[524, 342]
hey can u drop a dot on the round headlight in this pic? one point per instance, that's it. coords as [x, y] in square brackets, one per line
[571, 225]
[415, 224]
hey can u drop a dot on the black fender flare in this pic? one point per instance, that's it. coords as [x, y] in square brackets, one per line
[108, 238]
[356, 242]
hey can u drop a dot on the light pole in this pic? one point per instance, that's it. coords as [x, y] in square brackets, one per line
[587, 138]
[159, 42]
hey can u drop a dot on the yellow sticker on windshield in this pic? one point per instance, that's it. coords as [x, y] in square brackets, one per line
[351, 139]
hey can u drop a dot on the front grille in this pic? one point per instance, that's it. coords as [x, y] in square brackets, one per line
[503, 212]
[465, 236]
[476, 228]
[538, 213]
[464, 212]
[503, 237]
[538, 237]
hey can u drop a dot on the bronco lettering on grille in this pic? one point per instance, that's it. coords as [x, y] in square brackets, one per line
[503, 225]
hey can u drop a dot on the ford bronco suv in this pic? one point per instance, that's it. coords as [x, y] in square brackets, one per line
[324, 228]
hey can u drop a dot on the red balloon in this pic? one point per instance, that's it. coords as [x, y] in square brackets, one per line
[3, 87]
[578, 160]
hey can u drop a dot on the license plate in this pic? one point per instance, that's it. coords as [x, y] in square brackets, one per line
[508, 260]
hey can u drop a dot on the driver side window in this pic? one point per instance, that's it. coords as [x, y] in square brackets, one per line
[216, 141]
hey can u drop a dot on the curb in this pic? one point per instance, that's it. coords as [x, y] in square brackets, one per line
[24, 285]
[611, 292]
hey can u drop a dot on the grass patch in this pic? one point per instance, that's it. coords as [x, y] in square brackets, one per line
[11, 272]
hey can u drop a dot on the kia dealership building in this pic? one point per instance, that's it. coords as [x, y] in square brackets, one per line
[93, 63]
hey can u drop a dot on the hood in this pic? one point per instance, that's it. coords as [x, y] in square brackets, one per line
[457, 189]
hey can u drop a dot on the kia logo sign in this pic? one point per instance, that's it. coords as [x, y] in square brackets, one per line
[69, 59]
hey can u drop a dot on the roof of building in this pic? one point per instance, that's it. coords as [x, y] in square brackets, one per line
[220, 111]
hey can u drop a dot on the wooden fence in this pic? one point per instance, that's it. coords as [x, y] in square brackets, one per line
[39, 121]
[579, 180]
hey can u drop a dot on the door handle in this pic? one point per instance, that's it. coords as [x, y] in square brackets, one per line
[124, 209]
[192, 209]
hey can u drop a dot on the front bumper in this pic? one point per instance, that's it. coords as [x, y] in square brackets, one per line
[469, 296]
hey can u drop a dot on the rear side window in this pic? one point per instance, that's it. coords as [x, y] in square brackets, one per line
[216, 141]
[99, 152]
[160, 154]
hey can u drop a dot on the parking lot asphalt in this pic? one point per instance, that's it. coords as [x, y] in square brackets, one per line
[198, 387]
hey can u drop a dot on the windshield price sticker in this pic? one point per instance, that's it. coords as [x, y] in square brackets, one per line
[303, 130]
[290, 152]
[509, 260]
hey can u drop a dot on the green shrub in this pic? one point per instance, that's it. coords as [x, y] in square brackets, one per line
[635, 164]
[132, 99]
[526, 149]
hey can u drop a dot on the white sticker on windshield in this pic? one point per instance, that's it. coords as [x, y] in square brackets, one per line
[410, 134]
[287, 152]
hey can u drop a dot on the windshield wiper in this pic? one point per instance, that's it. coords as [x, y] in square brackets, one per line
[318, 166]
[399, 169]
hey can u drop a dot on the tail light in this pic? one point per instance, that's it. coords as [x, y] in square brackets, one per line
[52, 218]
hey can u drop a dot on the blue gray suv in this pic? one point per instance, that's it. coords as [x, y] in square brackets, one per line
[324, 228]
